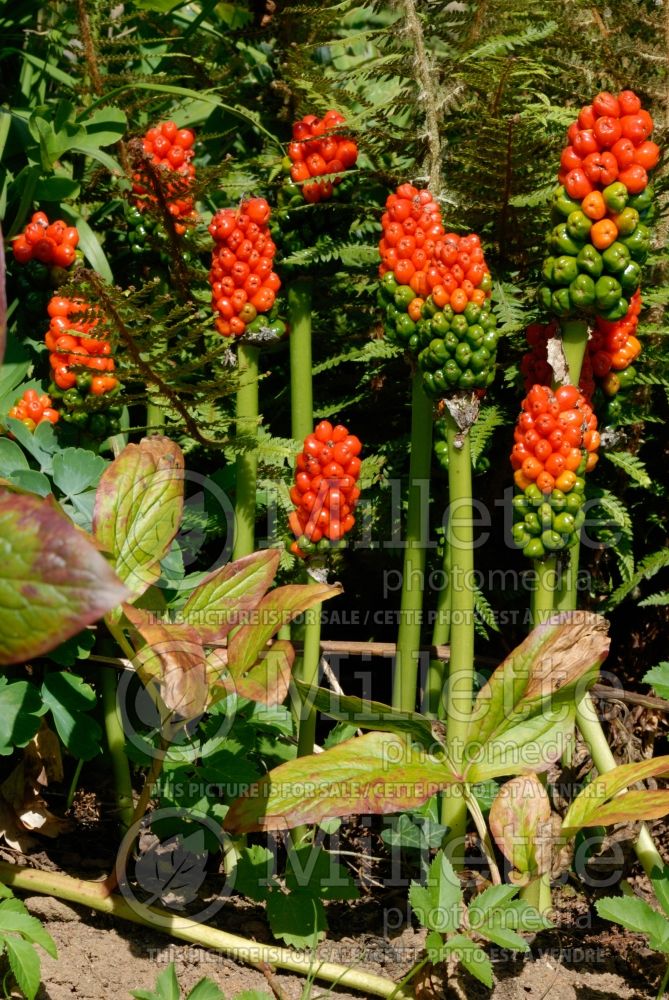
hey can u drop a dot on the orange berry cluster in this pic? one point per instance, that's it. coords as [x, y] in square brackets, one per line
[556, 443]
[555, 437]
[325, 492]
[316, 152]
[52, 243]
[243, 283]
[33, 409]
[170, 149]
[613, 346]
[74, 349]
[420, 254]
[609, 142]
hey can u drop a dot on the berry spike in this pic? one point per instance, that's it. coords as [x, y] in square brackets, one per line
[325, 492]
[556, 443]
[318, 150]
[54, 244]
[600, 210]
[171, 150]
[243, 282]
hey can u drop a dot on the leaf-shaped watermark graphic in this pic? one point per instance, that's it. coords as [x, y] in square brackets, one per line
[172, 872]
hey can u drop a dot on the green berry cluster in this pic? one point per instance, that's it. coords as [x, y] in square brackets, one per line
[458, 349]
[548, 523]
[595, 264]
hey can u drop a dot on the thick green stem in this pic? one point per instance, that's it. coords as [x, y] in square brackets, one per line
[600, 751]
[247, 461]
[308, 672]
[543, 595]
[95, 896]
[155, 418]
[417, 528]
[441, 633]
[116, 743]
[301, 392]
[461, 663]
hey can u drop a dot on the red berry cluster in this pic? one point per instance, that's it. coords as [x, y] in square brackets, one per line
[609, 142]
[243, 283]
[51, 243]
[325, 491]
[33, 409]
[555, 438]
[316, 152]
[534, 366]
[73, 346]
[421, 255]
[613, 346]
[171, 149]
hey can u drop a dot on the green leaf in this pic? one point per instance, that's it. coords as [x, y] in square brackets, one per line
[41, 443]
[632, 465]
[531, 745]
[492, 898]
[138, 509]
[438, 904]
[206, 989]
[15, 917]
[503, 936]
[543, 669]
[472, 957]
[17, 363]
[647, 568]
[70, 700]
[254, 873]
[31, 480]
[78, 647]
[636, 915]
[11, 457]
[375, 773]
[106, 125]
[655, 600]
[167, 987]
[601, 789]
[519, 821]
[53, 580]
[658, 678]
[365, 714]
[20, 710]
[24, 963]
[228, 595]
[89, 243]
[317, 871]
[631, 806]
[298, 919]
[76, 470]
[276, 609]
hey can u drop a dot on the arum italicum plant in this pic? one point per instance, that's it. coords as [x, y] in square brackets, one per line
[435, 289]
[244, 287]
[591, 280]
[188, 665]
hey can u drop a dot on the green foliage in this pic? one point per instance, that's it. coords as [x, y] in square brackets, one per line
[495, 915]
[20, 933]
[295, 909]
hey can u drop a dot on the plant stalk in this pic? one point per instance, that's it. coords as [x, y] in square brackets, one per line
[543, 595]
[591, 730]
[116, 743]
[301, 390]
[247, 461]
[461, 664]
[417, 529]
[441, 633]
[95, 896]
